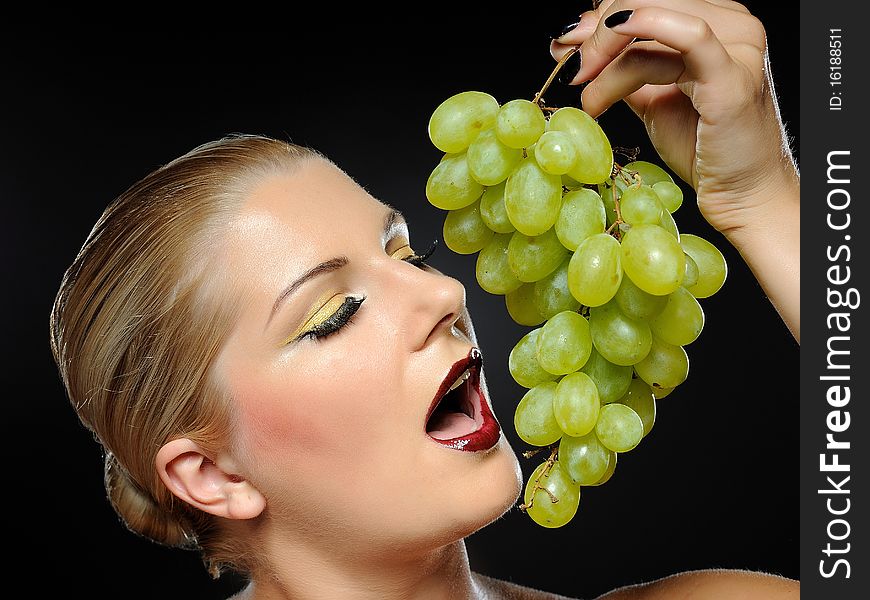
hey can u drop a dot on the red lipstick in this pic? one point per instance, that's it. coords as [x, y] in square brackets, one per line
[461, 418]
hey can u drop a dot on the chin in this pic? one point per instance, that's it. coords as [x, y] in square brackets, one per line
[496, 490]
[507, 488]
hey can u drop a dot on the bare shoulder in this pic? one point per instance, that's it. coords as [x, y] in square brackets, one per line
[713, 584]
[497, 589]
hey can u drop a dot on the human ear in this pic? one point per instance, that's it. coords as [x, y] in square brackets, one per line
[193, 476]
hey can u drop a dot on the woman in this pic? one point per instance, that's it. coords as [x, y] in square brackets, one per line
[223, 308]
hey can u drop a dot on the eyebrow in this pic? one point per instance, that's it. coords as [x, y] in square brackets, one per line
[392, 217]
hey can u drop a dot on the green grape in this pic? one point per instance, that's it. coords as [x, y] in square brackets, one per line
[665, 366]
[523, 362]
[460, 118]
[543, 510]
[618, 338]
[712, 268]
[611, 467]
[660, 393]
[670, 195]
[570, 183]
[532, 198]
[552, 294]
[489, 161]
[639, 205]
[564, 343]
[691, 276]
[555, 152]
[521, 306]
[595, 270]
[580, 216]
[576, 404]
[619, 428]
[519, 123]
[450, 186]
[534, 419]
[536, 256]
[681, 321]
[464, 230]
[668, 223]
[640, 399]
[610, 380]
[653, 259]
[594, 154]
[492, 270]
[584, 458]
[493, 211]
[649, 173]
[636, 303]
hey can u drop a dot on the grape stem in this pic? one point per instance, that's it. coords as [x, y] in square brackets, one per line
[531, 453]
[630, 153]
[554, 452]
[618, 171]
[539, 96]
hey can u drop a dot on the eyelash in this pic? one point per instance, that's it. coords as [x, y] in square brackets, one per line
[420, 260]
[344, 315]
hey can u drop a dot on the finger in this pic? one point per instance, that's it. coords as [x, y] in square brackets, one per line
[606, 42]
[589, 20]
[641, 100]
[729, 4]
[678, 122]
[640, 64]
[703, 54]
[584, 28]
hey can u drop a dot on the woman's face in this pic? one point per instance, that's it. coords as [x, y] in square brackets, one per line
[333, 430]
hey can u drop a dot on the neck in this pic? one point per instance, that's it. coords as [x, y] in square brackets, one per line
[443, 573]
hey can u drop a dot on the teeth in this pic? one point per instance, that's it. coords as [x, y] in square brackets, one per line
[460, 380]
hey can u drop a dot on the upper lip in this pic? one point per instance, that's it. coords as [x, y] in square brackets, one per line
[473, 360]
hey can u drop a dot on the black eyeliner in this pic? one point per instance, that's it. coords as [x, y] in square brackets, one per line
[337, 320]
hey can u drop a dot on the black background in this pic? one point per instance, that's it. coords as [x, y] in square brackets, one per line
[89, 111]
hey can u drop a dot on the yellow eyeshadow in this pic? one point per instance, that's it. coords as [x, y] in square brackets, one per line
[403, 252]
[316, 316]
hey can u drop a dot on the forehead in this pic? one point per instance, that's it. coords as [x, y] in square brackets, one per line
[308, 198]
[294, 220]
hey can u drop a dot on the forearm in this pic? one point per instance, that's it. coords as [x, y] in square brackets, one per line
[769, 242]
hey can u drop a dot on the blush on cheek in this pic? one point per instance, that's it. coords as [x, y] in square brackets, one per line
[271, 422]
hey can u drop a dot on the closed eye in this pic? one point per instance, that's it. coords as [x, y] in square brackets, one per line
[339, 319]
[419, 260]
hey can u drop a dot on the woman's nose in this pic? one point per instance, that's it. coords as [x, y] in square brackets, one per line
[435, 303]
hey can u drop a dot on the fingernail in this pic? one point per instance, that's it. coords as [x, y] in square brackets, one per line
[617, 18]
[570, 68]
[556, 35]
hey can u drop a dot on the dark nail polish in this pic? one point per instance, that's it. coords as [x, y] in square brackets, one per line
[556, 35]
[570, 68]
[617, 18]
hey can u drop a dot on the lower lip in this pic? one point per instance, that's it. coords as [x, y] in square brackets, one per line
[486, 436]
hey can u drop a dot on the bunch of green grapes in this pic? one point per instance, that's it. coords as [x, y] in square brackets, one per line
[586, 253]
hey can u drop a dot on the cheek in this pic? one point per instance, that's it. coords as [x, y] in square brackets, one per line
[314, 420]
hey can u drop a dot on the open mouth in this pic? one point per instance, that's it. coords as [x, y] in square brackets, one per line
[459, 416]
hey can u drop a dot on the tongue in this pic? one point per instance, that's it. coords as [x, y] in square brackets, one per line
[449, 425]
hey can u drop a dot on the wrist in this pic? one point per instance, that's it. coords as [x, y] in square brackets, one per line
[776, 212]
[767, 207]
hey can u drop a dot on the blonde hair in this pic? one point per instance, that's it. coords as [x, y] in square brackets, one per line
[134, 331]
